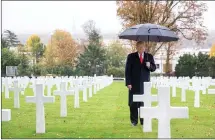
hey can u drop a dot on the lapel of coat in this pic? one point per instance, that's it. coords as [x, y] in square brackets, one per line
[138, 58]
[145, 57]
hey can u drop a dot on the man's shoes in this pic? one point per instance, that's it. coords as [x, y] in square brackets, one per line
[133, 124]
[141, 122]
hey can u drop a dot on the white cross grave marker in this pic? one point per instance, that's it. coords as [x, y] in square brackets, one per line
[174, 90]
[147, 98]
[94, 84]
[203, 86]
[6, 90]
[197, 98]
[6, 115]
[211, 91]
[39, 99]
[76, 103]
[184, 86]
[183, 95]
[84, 88]
[22, 84]
[63, 100]
[164, 112]
[90, 88]
[76, 96]
[196, 88]
[49, 87]
[16, 91]
[2, 84]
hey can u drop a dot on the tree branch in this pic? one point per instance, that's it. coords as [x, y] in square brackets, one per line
[184, 35]
[179, 16]
[153, 11]
[158, 48]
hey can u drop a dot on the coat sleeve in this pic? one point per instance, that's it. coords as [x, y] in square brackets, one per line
[128, 71]
[152, 64]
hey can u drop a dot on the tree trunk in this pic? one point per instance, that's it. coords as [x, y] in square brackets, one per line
[167, 59]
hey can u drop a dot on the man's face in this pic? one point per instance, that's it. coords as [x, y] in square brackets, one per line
[140, 47]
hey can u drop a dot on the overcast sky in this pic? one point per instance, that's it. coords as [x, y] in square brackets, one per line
[36, 17]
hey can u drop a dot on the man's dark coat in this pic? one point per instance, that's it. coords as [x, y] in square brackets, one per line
[137, 73]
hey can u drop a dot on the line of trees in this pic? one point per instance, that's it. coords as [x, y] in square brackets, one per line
[63, 55]
[196, 65]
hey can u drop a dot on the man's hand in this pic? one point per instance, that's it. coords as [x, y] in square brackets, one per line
[148, 64]
[129, 87]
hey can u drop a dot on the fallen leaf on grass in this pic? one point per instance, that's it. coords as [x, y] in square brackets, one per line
[208, 134]
[196, 118]
[213, 106]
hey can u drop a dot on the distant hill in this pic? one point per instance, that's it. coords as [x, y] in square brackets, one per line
[111, 36]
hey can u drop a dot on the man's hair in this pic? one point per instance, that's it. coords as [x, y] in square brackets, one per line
[139, 42]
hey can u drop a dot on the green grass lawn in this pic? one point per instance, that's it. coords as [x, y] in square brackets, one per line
[105, 115]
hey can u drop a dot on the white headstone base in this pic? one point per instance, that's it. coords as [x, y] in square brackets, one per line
[6, 114]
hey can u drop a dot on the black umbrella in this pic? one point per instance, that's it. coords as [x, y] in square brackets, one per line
[149, 32]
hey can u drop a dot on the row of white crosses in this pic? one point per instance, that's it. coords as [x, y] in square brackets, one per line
[198, 84]
[184, 83]
[9, 82]
[15, 87]
[163, 112]
[39, 99]
[82, 84]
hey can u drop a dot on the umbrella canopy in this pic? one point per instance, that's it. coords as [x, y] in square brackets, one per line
[149, 32]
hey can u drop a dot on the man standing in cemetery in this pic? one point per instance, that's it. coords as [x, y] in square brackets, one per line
[138, 67]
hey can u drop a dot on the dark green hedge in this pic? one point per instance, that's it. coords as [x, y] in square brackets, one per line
[192, 65]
